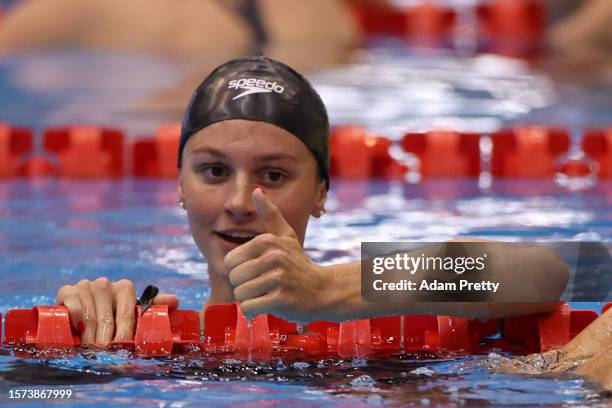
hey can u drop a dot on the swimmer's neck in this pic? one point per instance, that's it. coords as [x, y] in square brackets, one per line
[221, 290]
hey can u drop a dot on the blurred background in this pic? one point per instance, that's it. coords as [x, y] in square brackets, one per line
[414, 64]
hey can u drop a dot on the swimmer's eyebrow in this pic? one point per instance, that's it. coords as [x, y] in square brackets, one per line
[265, 157]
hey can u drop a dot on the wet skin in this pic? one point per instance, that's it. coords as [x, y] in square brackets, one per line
[221, 167]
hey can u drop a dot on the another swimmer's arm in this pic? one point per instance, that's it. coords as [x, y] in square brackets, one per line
[42, 23]
[595, 338]
[542, 268]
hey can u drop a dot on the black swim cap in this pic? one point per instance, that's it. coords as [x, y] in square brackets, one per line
[261, 89]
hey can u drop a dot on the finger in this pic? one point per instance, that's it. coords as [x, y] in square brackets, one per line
[250, 250]
[257, 287]
[253, 268]
[69, 297]
[124, 302]
[271, 216]
[89, 312]
[166, 299]
[267, 303]
[274, 303]
[103, 298]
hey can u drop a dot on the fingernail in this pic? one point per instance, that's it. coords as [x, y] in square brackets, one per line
[81, 327]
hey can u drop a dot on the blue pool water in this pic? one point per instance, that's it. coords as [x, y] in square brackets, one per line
[58, 232]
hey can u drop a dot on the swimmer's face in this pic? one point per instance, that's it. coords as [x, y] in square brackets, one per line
[224, 162]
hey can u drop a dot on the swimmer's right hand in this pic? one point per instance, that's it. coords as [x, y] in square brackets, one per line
[104, 311]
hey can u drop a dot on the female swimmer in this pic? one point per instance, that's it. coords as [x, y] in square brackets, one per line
[254, 167]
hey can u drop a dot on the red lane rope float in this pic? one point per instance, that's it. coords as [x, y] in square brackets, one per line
[425, 20]
[522, 151]
[158, 332]
[597, 143]
[356, 153]
[35, 167]
[518, 18]
[14, 142]
[576, 168]
[41, 327]
[162, 332]
[527, 151]
[550, 330]
[515, 28]
[428, 23]
[378, 18]
[156, 156]
[86, 151]
[445, 153]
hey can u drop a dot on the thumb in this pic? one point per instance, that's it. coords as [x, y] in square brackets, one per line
[270, 215]
[166, 299]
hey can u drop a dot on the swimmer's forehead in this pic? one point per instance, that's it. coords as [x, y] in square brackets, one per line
[273, 156]
[258, 140]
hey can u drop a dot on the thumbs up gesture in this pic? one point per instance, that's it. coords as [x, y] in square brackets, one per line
[271, 273]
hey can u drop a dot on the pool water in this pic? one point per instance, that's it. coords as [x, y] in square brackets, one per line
[54, 232]
[57, 232]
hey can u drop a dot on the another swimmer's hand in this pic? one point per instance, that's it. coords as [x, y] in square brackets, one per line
[271, 273]
[104, 311]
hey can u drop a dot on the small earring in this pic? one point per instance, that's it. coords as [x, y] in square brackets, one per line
[321, 212]
[181, 203]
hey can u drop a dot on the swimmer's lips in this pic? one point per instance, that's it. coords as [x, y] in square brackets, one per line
[237, 237]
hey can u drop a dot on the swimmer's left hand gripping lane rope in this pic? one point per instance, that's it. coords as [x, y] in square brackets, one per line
[161, 332]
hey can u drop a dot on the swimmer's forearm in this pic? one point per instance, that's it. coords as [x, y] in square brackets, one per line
[16, 33]
[344, 301]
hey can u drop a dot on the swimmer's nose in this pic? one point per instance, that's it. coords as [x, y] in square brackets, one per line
[239, 202]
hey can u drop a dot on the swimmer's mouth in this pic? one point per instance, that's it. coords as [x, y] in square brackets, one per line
[237, 237]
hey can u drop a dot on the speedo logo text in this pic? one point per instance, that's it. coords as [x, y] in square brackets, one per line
[254, 85]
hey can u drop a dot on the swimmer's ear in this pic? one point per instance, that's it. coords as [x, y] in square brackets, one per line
[181, 195]
[321, 197]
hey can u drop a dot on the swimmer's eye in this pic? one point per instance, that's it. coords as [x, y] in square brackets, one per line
[214, 172]
[273, 177]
